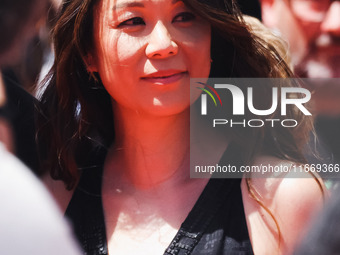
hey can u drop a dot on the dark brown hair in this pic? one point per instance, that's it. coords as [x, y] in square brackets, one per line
[76, 110]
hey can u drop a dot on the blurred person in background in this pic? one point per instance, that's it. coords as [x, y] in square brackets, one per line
[30, 222]
[312, 29]
[18, 27]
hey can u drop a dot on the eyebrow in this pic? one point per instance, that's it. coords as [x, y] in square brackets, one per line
[128, 4]
[135, 4]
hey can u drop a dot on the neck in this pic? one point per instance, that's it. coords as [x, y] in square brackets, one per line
[150, 150]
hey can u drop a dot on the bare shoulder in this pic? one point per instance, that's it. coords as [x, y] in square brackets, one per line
[58, 190]
[286, 203]
[283, 179]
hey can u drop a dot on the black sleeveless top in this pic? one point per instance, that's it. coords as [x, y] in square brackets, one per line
[215, 225]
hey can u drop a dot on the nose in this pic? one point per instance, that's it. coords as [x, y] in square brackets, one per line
[161, 45]
[331, 23]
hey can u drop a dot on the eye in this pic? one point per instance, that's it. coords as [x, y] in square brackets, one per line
[136, 21]
[184, 17]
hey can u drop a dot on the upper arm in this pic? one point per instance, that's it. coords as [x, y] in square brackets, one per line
[296, 202]
[292, 203]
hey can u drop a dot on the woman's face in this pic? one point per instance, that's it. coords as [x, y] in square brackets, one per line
[146, 51]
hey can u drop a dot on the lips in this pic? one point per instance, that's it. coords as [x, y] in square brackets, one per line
[164, 77]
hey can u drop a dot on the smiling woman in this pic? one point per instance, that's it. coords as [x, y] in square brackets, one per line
[146, 52]
[116, 121]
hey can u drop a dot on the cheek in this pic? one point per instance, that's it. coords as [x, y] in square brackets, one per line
[118, 61]
[116, 55]
[200, 58]
[116, 52]
[129, 48]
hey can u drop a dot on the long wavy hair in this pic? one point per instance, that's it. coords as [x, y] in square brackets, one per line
[77, 114]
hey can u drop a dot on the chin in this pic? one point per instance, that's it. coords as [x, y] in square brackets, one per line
[167, 110]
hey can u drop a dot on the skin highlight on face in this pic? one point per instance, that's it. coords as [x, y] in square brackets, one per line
[146, 52]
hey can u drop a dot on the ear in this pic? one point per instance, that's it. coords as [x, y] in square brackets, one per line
[90, 63]
[268, 12]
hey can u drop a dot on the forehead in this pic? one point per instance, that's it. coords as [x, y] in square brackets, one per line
[119, 4]
[108, 9]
